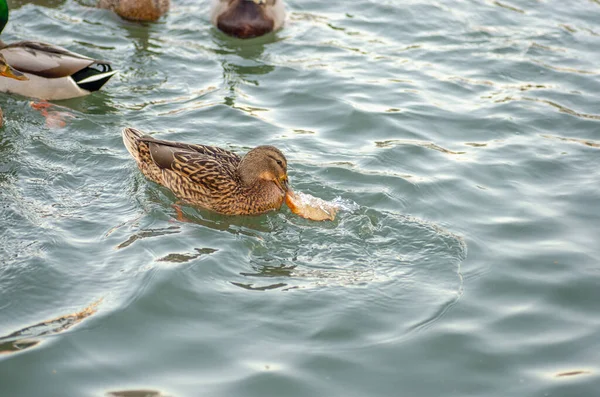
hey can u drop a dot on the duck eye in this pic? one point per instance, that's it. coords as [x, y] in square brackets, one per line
[280, 163]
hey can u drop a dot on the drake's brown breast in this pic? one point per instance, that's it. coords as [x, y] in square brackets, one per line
[245, 19]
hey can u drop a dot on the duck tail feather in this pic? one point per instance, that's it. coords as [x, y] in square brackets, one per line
[93, 77]
[131, 138]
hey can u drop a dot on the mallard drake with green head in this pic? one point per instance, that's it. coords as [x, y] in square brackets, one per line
[211, 177]
[53, 72]
[137, 10]
[247, 18]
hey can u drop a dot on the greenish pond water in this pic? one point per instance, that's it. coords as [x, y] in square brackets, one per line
[462, 136]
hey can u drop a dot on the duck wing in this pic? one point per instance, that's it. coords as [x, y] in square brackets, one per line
[212, 168]
[209, 151]
[45, 60]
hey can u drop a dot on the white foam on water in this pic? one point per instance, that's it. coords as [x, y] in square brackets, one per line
[337, 204]
[345, 204]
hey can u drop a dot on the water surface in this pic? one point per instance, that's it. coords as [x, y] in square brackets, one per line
[464, 134]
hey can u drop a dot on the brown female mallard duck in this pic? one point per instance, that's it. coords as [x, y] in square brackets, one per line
[137, 10]
[211, 177]
[247, 18]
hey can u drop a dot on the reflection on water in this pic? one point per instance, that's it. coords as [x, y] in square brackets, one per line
[186, 257]
[315, 278]
[573, 373]
[251, 287]
[145, 38]
[136, 393]
[250, 49]
[362, 249]
[148, 233]
[586, 142]
[241, 61]
[244, 225]
[16, 345]
[30, 336]
[427, 145]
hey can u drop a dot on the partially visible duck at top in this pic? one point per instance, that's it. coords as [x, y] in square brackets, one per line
[247, 18]
[51, 72]
[137, 10]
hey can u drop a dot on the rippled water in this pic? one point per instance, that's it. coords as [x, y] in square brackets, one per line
[464, 134]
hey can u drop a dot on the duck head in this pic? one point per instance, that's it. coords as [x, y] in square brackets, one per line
[264, 165]
[248, 18]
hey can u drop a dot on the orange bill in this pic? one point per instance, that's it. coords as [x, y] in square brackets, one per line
[7, 71]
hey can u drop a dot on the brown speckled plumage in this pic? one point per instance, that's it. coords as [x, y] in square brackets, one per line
[212, 177]
[137, 10]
